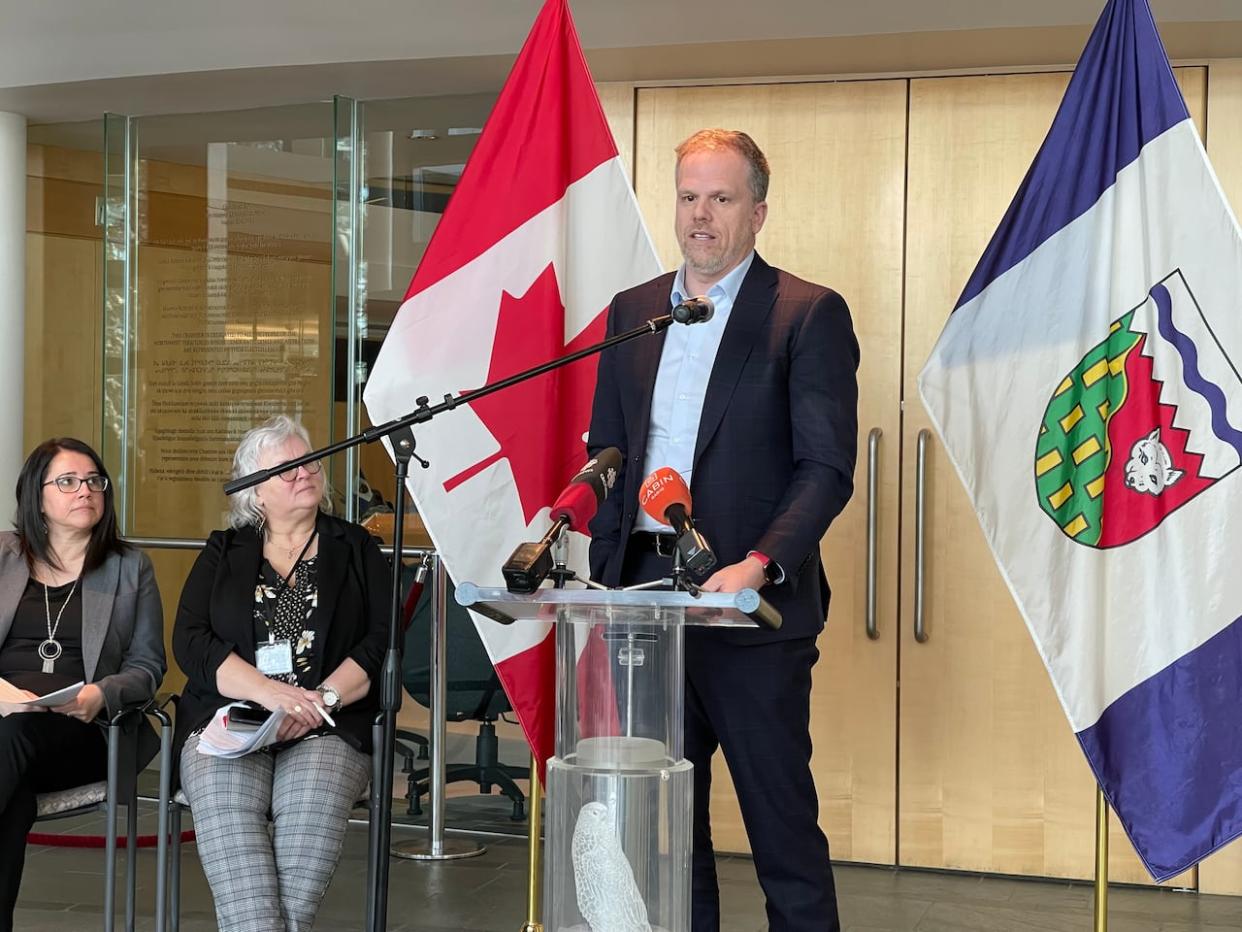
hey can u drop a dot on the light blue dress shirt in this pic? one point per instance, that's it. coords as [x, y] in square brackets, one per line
[681, 382]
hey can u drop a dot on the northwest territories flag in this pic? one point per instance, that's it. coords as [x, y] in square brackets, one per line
[1086, 388]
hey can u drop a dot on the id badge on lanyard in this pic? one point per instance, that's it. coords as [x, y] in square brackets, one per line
[273, 657]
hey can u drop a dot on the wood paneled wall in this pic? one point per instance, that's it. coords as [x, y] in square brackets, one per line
[836, 216]
[1222, 872]
[992, 778]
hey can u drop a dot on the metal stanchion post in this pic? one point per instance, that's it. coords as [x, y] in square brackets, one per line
[436, 847]
[534, 856]
[1101, 861]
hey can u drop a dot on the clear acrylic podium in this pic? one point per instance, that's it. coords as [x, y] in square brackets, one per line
[619, 789]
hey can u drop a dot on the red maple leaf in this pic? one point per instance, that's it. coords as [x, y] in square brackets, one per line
[538, 423]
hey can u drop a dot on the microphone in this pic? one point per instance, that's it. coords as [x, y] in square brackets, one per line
[528, 566]
[666, 498]
[694, 310]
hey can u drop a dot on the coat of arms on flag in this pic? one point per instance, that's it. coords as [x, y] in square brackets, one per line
[1141, 425]
[1086, 389]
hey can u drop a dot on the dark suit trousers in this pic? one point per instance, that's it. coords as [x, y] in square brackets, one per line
[39, 752]
[753, 701]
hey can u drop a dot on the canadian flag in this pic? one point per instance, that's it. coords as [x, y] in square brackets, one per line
[541, 232]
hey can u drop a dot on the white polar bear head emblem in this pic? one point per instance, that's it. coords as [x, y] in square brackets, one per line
[1150, 469]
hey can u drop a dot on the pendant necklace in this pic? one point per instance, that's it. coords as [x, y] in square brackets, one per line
[50, 649]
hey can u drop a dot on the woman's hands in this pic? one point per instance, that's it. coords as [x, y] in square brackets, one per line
[298, 705]
[10, 708]
[85, 706]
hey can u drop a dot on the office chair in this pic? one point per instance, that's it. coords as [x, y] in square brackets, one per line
[473, 693]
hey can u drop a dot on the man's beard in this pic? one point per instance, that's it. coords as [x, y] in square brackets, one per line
[710, 264]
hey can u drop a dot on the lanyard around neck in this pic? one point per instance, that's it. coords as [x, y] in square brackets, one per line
[269, 609]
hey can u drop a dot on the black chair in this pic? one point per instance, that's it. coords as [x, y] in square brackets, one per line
[119, 789]
[473, 693]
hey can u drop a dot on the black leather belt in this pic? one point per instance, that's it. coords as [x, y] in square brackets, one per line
[661, 544]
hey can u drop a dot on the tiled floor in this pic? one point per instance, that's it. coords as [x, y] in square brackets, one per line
[63, 890]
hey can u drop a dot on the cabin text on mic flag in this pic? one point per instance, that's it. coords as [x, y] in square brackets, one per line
[1087, 390]
[541, 232]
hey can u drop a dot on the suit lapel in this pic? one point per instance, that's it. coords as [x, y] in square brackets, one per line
[98, 594]
[746, 320]
[14, 574]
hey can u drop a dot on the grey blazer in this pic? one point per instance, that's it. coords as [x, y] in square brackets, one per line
[122, 621]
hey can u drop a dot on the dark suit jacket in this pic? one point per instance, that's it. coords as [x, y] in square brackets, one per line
[216, 618]
[122, 626]
[774, 458]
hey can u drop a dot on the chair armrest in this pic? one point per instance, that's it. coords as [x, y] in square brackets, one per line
[125, 711]
[122, 731]
[157, 708]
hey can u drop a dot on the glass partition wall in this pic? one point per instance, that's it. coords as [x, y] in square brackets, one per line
[218, 306]
[407, 157]
[252, 263]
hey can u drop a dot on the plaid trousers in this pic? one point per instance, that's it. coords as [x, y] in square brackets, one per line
[270, 827]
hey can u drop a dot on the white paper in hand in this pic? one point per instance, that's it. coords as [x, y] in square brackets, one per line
[14, 696]
[218, 741]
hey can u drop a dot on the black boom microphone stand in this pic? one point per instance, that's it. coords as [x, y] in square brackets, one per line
[403, 445]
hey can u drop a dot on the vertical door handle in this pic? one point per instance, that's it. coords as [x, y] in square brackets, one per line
[920, 535]
[873, 467]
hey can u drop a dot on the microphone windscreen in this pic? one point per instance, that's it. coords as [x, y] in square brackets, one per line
[661, 490]
[588, 487]
[577, 505]
[694, 310]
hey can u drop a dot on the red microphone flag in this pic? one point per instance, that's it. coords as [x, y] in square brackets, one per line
[660, 491]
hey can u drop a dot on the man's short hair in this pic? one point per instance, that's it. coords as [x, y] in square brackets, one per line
[717, 140]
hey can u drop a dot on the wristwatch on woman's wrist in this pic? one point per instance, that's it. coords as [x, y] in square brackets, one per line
[331, 698]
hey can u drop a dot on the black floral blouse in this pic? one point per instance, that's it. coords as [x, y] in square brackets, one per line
[290, 610]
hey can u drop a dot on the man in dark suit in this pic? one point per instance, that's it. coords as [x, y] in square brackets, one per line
[757, 409]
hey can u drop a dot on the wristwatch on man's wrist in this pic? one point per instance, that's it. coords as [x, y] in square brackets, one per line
[331, 698]
[771, 572]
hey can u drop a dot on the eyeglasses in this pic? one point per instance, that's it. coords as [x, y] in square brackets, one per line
[312, 468]
[70, 484]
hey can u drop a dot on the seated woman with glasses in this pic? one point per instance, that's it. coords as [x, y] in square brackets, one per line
[288, 609]
[77, 605]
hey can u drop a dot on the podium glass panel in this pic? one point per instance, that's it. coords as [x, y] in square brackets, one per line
[620, 792]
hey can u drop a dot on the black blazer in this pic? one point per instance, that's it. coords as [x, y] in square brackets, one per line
[777, 440]
[216, 617]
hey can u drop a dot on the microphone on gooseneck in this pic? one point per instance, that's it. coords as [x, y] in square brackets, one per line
[665, 496]
[528, 566]
[694, 310]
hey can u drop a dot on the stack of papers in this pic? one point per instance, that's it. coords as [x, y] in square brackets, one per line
[218, 741]
[14, 696]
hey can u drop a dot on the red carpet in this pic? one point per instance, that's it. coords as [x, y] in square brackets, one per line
[95, 841]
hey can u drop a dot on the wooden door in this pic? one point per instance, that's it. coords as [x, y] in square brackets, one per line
[837, 157]
[1222, 872]
[991, 777]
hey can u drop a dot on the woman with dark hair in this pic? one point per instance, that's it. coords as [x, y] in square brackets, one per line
[76, 605]
[286, 610]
